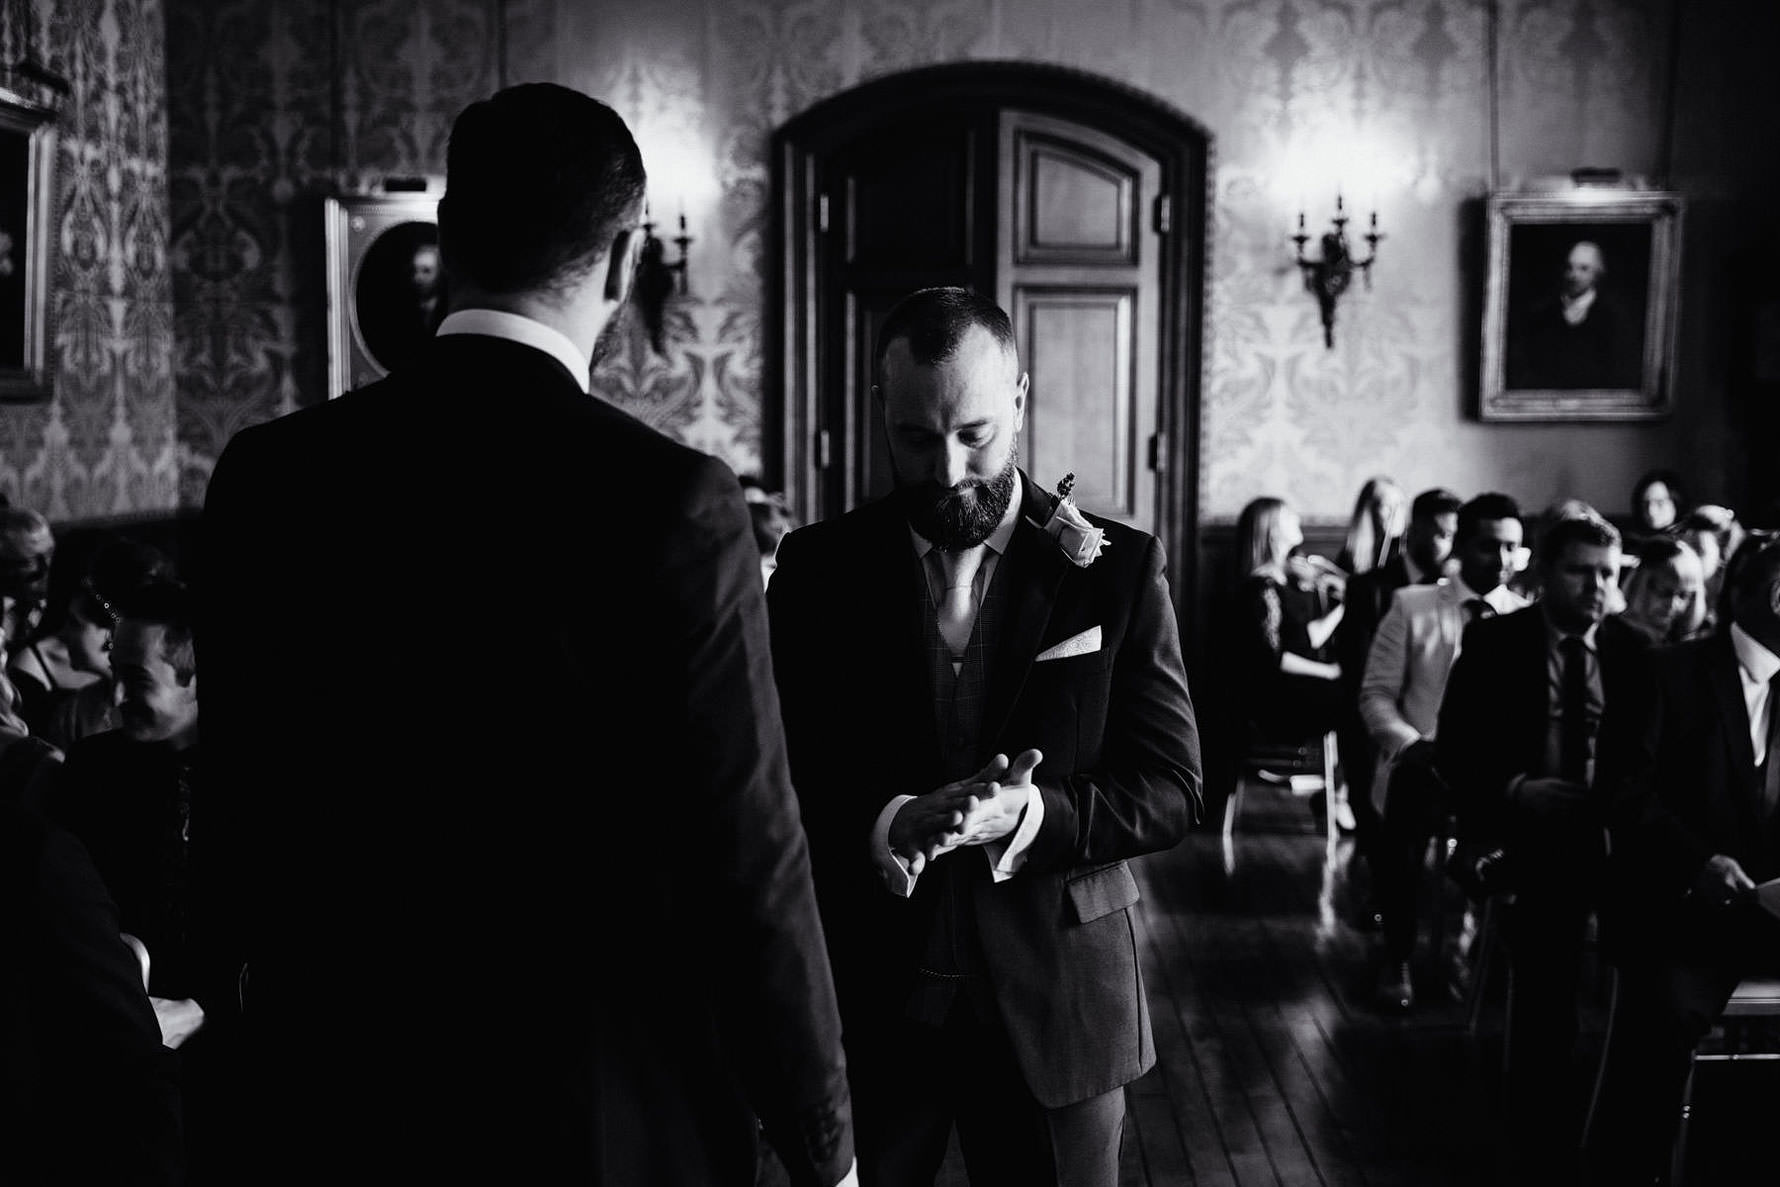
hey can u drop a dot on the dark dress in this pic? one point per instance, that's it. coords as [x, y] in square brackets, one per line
[1272, 618]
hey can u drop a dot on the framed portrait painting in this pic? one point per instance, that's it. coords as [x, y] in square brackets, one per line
[1580, 306]
[386, 287]
[27, 210]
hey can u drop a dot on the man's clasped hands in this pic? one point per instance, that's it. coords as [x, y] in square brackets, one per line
[976, 810]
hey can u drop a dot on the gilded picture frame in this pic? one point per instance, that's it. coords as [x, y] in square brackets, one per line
[27, 241]
[1581, 305]
[386, 288]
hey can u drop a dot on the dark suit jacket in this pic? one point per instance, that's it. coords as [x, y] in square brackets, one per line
[525, 894]
[1497, 706]
[1678, 775]
[1120, 776]
[87, 1092]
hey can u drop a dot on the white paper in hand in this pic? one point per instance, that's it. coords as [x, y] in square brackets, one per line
[1768, 895]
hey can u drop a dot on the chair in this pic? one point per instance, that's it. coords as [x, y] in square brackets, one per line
[1304, 768]
[1754, 998]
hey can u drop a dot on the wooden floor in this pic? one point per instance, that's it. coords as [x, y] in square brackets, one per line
[1273, 1066]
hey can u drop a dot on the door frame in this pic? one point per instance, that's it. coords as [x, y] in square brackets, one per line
[792, 366]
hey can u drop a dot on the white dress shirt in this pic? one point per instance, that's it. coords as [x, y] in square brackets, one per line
[1756, 666]
[515, 327]
[1007, 855]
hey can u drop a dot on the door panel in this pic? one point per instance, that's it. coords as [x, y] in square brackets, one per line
[912, 206]
[1079, 268]
[1081, 343]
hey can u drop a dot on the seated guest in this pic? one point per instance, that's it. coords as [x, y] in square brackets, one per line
[87, 1094]
[1658, 503]
[1690, 775]
[1375, 531]
[128, 796]
[1289, 680]
[63, 673]
[1715, 533]
[1516, 745]
[1665, 592]
[26, 550]
[1405, 677]
[1427, 543]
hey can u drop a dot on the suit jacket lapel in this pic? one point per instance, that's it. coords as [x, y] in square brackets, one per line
[1733, 713]
[1029, 576]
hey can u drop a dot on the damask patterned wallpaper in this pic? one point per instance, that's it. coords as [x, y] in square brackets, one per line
[104, 443]
[273, 104]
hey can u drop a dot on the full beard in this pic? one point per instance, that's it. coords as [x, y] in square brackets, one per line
[962, 516]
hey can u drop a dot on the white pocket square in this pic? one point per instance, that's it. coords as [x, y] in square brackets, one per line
[1082, 644]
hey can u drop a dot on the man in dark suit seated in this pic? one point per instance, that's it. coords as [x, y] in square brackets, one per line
[87, 1092]
[1516, 744]
[1690, 771]
[535, 914]
[127, 794]
[978, 908]
[1427, 542]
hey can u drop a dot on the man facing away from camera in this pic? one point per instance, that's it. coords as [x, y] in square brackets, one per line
[538, 913]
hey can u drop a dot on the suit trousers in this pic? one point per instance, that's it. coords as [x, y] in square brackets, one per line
[909, 1093]
[1668, 999]
[1544, 931]
[1415, 810]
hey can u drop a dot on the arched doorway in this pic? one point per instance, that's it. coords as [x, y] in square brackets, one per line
[1080, 203]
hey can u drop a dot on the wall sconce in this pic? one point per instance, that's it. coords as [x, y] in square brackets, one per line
[1329, 276]
[657, 279]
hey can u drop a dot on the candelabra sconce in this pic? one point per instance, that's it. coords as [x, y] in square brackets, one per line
[658, 279]
[1329, 276]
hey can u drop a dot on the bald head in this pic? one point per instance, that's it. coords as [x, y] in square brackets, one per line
[1583, 268]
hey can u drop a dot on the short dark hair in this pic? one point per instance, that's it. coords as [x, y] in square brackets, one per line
[539, 181]
[1438, 501]
[1591, 530]
[166, 604]
[1489, 505]
[1755, 566]
[118, 565]
[934, 322]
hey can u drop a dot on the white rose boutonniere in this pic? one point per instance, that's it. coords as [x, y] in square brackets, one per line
[1080, 540]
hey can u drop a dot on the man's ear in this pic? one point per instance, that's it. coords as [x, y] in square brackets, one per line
[621, 264]
[1020, 390]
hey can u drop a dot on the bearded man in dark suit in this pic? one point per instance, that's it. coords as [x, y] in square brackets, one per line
[1690, 771]
[524, 909]
[982, 733]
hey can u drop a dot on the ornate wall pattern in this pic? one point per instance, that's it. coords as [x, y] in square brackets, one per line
[104, 443]
[1387, 99]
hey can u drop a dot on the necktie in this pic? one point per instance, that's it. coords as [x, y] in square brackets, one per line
[1770, 784]
[1573, 709]
[957, 608]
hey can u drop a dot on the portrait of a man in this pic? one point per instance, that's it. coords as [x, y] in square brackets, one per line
[400, 294]
[1572, 324]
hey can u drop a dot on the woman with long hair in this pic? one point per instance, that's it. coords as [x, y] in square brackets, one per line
[1285, 624]
[1375, 530]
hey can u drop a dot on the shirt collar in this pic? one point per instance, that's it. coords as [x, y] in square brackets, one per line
[516, 327]
[1752, 657]
[1499, 599]
[1588, 637]
[997, 541]
[1576, 308]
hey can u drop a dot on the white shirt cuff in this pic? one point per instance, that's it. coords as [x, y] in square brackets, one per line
[891, 867]
[1007, 855]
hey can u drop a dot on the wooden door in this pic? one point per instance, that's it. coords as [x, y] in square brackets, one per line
[1078, 269]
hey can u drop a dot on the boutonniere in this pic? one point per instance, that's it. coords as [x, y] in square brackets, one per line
[1080, 540]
